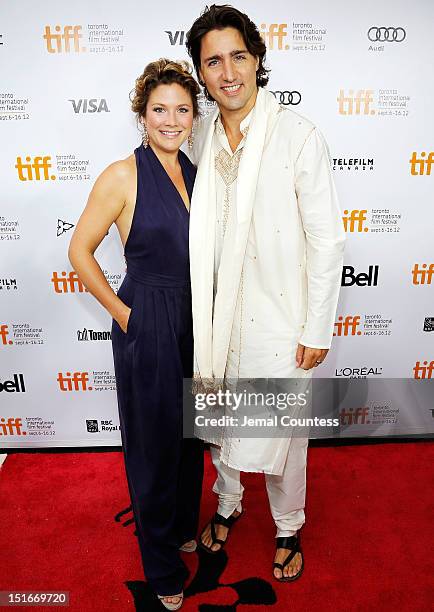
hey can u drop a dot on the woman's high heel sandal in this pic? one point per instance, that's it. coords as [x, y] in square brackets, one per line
[168, 604]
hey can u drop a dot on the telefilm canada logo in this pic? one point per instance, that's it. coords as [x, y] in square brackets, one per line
[8, 284]
[353, 163]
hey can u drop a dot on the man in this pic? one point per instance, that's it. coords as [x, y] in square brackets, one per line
[266, 250]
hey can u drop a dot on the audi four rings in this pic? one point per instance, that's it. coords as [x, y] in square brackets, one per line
[287, 97]
[386, 34]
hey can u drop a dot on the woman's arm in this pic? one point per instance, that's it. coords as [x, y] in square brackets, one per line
[106, 202]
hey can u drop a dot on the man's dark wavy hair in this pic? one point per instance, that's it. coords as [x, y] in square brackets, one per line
[217, 17]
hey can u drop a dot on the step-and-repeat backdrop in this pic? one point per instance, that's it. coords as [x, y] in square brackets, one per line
[359, 71]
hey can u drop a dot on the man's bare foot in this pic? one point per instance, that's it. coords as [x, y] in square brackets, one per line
[293, 566]
[221, 534]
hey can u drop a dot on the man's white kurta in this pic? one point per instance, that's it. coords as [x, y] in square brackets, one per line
[279, 275]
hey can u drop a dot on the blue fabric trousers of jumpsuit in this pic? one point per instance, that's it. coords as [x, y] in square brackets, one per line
[164, 471]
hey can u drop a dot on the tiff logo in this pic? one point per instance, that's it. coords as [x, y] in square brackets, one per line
[423, 371]
[11, 427]
[352, 104]
[4, 333]
[422, 276]
[421, 163]
[91, 105]
[351, 218]
[274, 31]
[31, 171]
[73, 382]
[347, 326]
[176, 38]
[359, 416]
[62, 41]
[67, 283]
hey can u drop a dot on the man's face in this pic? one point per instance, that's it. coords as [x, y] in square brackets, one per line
[228, 69]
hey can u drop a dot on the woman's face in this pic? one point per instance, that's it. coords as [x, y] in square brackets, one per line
[169, 117]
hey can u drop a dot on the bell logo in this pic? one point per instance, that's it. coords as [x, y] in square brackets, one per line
[347, 326]
[362, 279]
[274, 30]
[11, 427]
[350, 218]
[73, 382]
[13, 386]
[90, 106]
[31, 171]
[4, 333]
[353, 104]
[421, 164]
[422, 275]
[62, 42]
[67, 283]
[423, 371]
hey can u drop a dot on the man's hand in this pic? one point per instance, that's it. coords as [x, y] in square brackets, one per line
[308, 358]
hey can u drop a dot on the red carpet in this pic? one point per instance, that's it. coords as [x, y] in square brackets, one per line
[367, 541]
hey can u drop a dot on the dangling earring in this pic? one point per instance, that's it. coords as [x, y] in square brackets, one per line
[145, 136]
[190, 139]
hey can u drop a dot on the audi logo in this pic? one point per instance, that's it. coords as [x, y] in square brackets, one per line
[386, 34]
[287, 97]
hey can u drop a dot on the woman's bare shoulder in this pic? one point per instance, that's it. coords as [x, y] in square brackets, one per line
[118, 176]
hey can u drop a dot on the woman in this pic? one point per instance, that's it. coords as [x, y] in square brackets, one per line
[147, 195]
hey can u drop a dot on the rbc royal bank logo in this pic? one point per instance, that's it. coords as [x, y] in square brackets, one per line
[63, 40]
[348, 326]
[78, 381]
[67, 283]
[275, 32]
[354, 221]
[35, 169]
[421, 165]
[358, 103]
